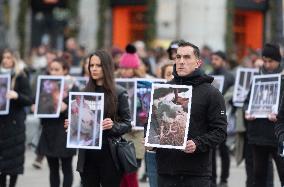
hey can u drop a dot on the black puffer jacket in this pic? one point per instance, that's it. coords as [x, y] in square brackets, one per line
[12, 130]
[207, 128]
[261, 130]
[119, 128]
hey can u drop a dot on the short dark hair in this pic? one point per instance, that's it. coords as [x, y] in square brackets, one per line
[196, 50]
[65, 65]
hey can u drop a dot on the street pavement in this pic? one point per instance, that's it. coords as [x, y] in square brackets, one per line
[40, 178]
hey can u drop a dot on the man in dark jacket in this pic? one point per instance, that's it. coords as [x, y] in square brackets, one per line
[219, 61]
[193, 167]
[260, 131]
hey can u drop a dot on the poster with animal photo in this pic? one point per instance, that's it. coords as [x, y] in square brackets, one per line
[85, 117]
[218, 82]
[143, 95]
[130, 86]
[264, 97]
[49, 96]
[169, 116]
[242, 85]
[5, 82]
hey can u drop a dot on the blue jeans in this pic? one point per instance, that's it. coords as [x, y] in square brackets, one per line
[150, 158]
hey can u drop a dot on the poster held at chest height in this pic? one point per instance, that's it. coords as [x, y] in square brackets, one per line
[169, 116]
[85, 117]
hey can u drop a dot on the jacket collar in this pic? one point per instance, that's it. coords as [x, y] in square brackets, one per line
[194, 79]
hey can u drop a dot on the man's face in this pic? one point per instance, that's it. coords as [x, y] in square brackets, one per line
[186, 61]
[269, 64]
[217, 62]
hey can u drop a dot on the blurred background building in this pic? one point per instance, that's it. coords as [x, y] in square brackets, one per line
[232, 25]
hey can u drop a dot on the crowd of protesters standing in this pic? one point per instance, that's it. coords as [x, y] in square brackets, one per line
[253, 140]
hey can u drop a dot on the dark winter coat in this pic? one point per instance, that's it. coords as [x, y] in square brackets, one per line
[261, 130]
[12, 129]
[53, 137]
[120, 127]
[207, 128]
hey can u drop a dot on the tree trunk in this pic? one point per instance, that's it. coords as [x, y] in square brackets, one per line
[3, 29]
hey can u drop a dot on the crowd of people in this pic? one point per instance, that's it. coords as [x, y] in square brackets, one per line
[252, 140]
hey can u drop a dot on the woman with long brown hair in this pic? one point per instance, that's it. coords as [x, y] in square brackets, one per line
[97, 167]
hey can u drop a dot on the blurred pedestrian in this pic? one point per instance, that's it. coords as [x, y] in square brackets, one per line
[129, 67]
[260, 131]
[12, 125]
[52, 143]
[219, 61]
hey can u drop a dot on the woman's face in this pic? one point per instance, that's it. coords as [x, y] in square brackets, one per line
[126, 72]
[168, 73]
[7, 61]
[96, 69]
[57, 69]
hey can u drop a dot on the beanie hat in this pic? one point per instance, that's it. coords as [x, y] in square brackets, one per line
[220, 54]
[116, 51]
[271, 51]
[129, 59]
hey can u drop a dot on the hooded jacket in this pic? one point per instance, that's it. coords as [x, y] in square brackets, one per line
[261, 130]
[207, 128]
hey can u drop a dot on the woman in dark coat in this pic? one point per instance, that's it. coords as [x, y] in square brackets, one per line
[97, 167]
[52, 141]
[12, 126]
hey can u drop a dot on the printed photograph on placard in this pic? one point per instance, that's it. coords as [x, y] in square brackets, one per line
[49, 96]
[5, 82]
[242, 85]
[265, 93]
[130, 86]
[85, 117]
[144, 87]
[169, 116]
[218, 82]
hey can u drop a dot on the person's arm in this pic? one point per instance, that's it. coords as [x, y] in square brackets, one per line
[217, 124]
[24, 93]
[124, 124]
[279, 126]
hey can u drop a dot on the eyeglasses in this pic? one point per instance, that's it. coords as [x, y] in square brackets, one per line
[185, 57]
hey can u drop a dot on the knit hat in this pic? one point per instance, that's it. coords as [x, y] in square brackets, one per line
[220, 54]
[272, 51]
[129, 59]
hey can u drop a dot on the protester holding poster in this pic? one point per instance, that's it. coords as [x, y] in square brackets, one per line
[130, 66]
[219, 64]
[12, 126]
[52, 143]
[207, 126]
[97, 167]
[260, 131]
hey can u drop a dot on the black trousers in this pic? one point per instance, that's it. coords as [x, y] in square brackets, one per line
[3, 180]
[225, 163]
[100, 170]
[261, 156]
[249, 167]
[183, 181]
[54, 177]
